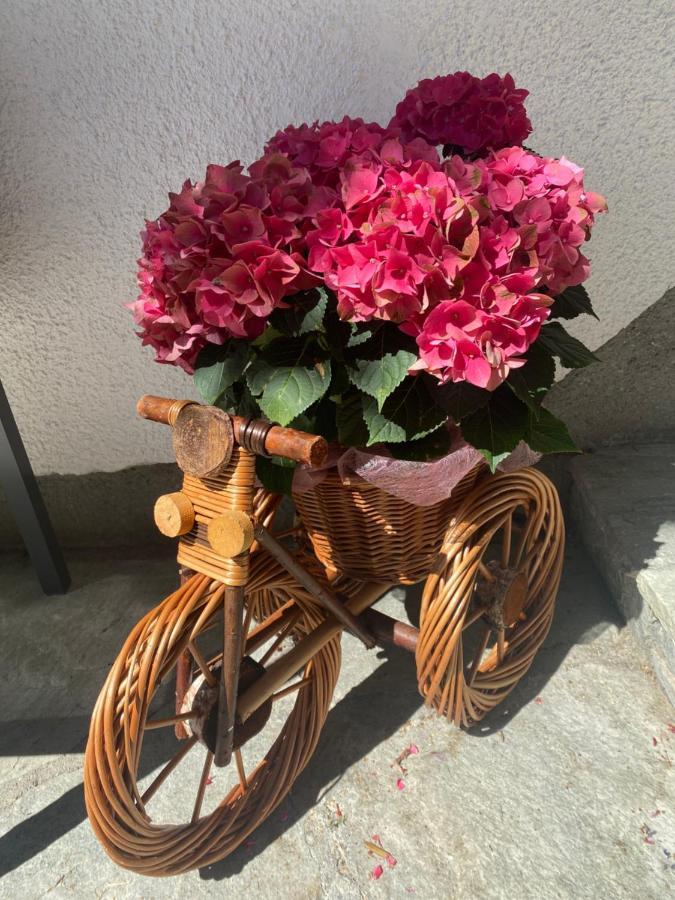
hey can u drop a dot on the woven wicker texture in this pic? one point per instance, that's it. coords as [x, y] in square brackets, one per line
[511, 525]
[495, 551]
[361, 531]
[119, 814]
[231, 489]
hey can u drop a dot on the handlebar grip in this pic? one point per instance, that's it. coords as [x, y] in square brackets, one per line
[160, 409]
[299, 446]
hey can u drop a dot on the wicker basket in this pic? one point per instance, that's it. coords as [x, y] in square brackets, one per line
[362, 531]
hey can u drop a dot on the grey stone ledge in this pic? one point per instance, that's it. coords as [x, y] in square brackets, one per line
[622, 503]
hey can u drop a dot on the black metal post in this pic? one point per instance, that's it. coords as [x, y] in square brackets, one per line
[27, 505]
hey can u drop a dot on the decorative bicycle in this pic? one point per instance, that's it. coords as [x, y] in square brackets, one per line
[273, 607]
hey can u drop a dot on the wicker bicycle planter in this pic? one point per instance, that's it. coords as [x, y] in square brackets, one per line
[358, 529]
[251, 638]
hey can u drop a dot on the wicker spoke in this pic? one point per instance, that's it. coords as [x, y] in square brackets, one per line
[209, 677]
[506, 542]
[168, 768]
[485, 572]
[240, 769]
[169, 720]
[284, 692]
[521, 544]
[487, 631]
[248, 618]
[285, 631]
[474, 617]
[501, 646]
[206, 771]
[269, 627]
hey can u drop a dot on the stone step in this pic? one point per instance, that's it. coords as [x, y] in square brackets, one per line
[622, 502]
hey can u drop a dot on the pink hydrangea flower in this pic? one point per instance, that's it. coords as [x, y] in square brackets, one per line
[398, 247]
[544, 202]
[481, 340]
[224, 255]
[474, 114]
[463, 256]
[325, 148]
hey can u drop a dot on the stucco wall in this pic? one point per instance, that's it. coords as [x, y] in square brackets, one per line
[107, 104]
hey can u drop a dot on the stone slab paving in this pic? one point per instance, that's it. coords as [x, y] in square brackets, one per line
[623, 502]
[566, 791]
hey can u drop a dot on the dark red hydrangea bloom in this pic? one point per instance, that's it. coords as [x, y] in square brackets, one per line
[223, 255]
[473, 114]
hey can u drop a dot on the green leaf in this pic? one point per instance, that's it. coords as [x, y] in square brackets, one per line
[519, 386]
[539, 369]
[547, 434]
[496, 428]
[275, 474]
[218, 368]
[380, 377]
[572, 302]
[381, 429]
[305, 313]
[570, 351]
[459, 398]
[269, 334]
[324, 419]
[351, 428]
[238, 401]
[284, 392]
[531, 382]
[313, 319]
[407, 415]
[433, 446]
[360, 333]
[340, 382]
[291, 351]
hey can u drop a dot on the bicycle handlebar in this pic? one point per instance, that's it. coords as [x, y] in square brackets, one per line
[300, 446]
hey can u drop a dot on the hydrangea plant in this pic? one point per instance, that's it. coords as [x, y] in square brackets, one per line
[373, 284]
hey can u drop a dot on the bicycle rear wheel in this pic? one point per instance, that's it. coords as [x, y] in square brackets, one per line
[487, 609]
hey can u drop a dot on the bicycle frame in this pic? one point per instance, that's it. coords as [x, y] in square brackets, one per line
[212, 515]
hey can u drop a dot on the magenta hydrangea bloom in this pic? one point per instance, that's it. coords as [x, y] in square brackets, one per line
[464, 256]
[398, 246]
[481, 338]
[473, 114]
[544, 202]
[325, 148]
[224, 255]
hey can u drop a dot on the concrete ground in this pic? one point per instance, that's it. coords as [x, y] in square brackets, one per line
[566, 791]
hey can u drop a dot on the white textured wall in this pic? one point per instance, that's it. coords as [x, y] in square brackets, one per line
[107, 104]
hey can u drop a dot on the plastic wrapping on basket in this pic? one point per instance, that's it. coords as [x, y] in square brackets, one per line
[420, 483]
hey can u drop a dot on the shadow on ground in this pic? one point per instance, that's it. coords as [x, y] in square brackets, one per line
[368, 714]
[56, 736]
